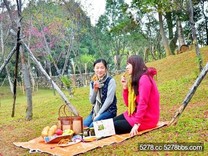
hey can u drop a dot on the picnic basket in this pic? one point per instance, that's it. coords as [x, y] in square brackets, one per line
[69, 121]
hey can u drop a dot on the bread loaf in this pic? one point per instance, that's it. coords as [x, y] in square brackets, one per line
[52, 130]
[44, 132]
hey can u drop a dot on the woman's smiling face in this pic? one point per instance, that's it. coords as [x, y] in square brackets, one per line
[129, 68]
[100, 69]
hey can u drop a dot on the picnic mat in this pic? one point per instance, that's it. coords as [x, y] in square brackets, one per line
[38, 145]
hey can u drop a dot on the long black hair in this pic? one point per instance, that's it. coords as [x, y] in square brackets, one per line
[138, 69]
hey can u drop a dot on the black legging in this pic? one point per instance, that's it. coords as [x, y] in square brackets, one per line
[121, 125]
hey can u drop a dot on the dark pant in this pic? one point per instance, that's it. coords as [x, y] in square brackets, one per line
[88, 121]
[121, 125]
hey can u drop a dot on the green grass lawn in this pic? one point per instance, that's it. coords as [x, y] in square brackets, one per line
[176, 75]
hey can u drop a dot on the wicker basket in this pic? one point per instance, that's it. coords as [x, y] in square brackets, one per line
[66, 121]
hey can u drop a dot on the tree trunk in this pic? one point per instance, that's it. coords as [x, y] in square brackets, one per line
[16, 69]
[181, 40]
[152, 51]
[117, 61]
[19, 35]
[68, 54]
[206, 20]
[3, 53]
[164, 38]
[168, 16]
[80, 82]
[192, 23]
[146, 54]
[2, 41]
[9, 79]
[27, 87]
[32, 80]
[48, 50]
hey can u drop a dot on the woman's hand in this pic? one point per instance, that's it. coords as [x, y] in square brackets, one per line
[124, 82]
[134, 130]
[96, 117]
[96, 85]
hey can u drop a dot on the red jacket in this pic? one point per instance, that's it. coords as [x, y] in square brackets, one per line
[148, 110]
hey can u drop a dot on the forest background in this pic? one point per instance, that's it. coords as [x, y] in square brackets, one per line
[56, 40]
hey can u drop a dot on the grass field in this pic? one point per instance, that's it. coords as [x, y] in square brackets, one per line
[176, 75]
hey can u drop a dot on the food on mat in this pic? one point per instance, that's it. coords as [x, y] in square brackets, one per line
[68, 132]
[52, 130]
[44, 132]
[90, 138]
[59, 132]
[64, 141]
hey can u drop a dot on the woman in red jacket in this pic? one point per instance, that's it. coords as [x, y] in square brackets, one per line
[141, 96]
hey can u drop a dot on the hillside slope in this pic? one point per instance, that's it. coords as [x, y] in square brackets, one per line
[177, 74]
